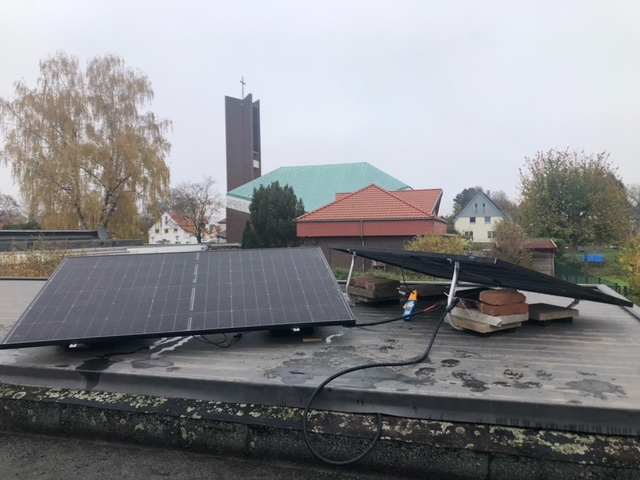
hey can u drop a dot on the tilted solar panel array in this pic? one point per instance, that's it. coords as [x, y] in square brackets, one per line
[484, 271]
[129, 296]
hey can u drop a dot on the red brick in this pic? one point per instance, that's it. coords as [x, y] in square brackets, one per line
[498, 310]
[503, 296]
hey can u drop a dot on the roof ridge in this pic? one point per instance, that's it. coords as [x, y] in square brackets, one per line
[373, 189]
[323, 165]
[479, 192]
[338, 200]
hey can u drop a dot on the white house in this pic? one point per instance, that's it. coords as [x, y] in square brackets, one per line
[478, 219]
[173, 227]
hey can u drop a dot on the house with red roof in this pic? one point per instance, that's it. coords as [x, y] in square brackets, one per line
[371, 216]
[173, 227]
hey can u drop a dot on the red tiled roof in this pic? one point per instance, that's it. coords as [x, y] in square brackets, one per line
[427, 200]
[184, 221]
[373, 202]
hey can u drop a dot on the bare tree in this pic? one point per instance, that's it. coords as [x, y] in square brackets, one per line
[200, 202]
[9, 210]
[80, 148]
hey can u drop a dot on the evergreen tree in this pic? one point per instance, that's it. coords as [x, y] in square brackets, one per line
[249, 239]
[274, 210]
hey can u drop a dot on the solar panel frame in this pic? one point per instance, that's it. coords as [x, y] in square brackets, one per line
[103, 298]
[484, 271]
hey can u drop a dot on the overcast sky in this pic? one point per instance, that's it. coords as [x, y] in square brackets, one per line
[447, 94]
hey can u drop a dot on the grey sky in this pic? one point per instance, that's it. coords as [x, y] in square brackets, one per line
[447, 94]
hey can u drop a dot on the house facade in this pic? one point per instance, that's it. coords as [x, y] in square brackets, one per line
[371, 216]
[478, 219]
[173, 228]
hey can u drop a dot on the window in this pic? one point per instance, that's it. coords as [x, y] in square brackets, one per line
[472, 219]
[166, 220]
[157, 230]
[490, 234]
[487, 219]
[484, 207]
[475, 205]
[166, 230]
[175, 229]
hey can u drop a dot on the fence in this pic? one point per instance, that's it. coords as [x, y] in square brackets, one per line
[576, 276]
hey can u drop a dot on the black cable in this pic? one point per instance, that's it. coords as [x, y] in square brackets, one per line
[305, 428]
[402, 317]
[221, 344]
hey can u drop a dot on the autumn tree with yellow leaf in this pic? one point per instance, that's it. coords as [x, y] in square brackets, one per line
[81, 147]
[630, 260]
[451, 244]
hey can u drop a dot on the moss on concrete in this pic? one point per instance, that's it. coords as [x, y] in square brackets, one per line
[263, 431]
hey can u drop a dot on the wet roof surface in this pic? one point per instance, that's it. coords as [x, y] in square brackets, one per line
[579, 376]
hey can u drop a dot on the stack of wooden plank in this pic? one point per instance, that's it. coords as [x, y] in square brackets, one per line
[495, 310]
[371, 289]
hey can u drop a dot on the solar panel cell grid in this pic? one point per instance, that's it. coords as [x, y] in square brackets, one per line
[127, 296]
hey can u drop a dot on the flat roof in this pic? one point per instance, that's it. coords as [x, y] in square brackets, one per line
[582, 376]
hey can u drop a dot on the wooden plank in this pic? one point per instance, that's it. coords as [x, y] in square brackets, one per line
[374, 294]
[370, 282]
[493, 320]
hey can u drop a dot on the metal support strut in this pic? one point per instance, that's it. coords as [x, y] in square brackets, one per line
[452, 292]
[346, 288]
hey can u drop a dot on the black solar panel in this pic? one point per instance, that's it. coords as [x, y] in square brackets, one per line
[151, 295]
[482, 270]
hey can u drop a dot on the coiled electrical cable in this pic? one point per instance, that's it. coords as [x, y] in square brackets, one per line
[319, 388]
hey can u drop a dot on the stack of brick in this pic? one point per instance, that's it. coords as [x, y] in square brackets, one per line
[495, 310]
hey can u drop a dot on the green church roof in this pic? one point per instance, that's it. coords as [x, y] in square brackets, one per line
[317, 185]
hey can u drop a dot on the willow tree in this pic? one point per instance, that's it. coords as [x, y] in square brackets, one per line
[81, 148]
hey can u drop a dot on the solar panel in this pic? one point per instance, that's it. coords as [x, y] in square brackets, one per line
[483, 270]
[150, 295]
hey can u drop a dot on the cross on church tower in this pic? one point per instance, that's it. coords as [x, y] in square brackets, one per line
[243, 84]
